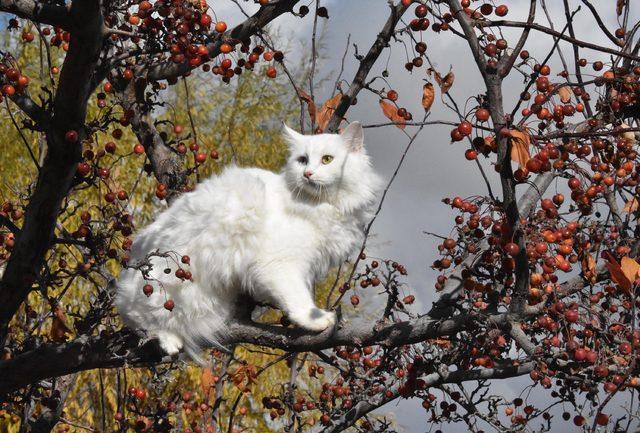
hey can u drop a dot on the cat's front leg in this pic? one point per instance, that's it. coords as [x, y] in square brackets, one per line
[290, 293]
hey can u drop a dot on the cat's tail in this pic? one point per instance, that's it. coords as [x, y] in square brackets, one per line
[206, 334]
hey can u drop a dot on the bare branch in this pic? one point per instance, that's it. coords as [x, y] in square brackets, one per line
[381, 42]
[39, 11]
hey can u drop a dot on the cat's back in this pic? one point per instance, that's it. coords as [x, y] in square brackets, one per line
[234, 202]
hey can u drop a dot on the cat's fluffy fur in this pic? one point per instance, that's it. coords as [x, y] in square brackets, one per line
[253, 232]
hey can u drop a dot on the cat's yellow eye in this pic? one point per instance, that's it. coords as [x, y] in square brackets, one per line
[327, 159]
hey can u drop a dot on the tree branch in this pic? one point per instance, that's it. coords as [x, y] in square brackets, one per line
[167, 166]
[58, 170]
[248, 28]
[543, 29]
[39, 11]
[381, 42]
[85, 353]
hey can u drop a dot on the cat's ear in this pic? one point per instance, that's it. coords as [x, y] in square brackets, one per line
[353, 136]
[292, 137]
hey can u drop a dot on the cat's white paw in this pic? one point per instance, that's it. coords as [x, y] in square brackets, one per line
[170, 342]
[315, 320]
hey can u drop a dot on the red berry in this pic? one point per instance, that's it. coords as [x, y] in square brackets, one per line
[138, 149]
[625, 348]
[8, 90]
[571, 316]
[502, 10]
[221, 27]
[71, 136]
[471, 154]
[574, 183]
[465, 128]
[147, 289]
[602, 419]
[421, 11]
[580, 354]
[482, 114]
[201, 157]
[169, 304]
[205, 20]
[512, 248]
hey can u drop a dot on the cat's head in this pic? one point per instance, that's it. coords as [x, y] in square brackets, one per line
[331, 167]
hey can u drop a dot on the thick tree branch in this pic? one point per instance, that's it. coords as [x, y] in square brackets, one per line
[34, 111]
[85, 353]
[166, 164]
[472, 39]
[58, 170]
[39, 12]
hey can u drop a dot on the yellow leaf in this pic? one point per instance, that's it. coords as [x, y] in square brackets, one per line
[391, 112]
[565, 94]
[520, 142]
[631, 205]
[428, 95]
[326, 111]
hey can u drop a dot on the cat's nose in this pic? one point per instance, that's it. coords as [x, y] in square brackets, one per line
[308, 174]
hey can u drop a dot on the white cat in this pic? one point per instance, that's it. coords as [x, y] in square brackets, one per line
[252, 232]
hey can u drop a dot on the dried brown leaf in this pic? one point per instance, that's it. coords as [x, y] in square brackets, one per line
[391, 112]
[618, 276]
[631, 205]
[620, 6]
[311, 106]
[447, 82]
[630, 268]
[444, 83]
[428, 96]
[589, 268]
[326, 111]
[207, 381]
[565, 94]
[59, 328]
[627, 136]
[520, 142]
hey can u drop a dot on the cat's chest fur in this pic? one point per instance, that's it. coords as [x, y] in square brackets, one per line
[319, 232]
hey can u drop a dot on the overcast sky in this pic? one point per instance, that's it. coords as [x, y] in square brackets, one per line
[434, 168]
